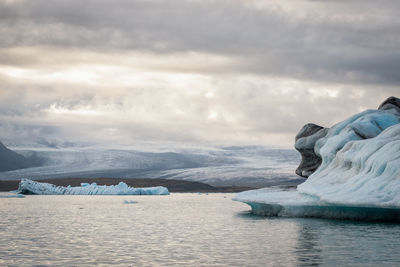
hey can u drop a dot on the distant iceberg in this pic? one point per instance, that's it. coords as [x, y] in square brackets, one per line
[27, 186]
[358, 177]
[11, 195]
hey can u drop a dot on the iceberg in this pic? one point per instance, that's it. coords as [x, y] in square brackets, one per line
[358, 177]
[11, 195]
[130, 202]
[27, 186]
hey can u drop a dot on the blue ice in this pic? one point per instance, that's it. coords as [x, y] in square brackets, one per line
[359, 177]
[27, 186]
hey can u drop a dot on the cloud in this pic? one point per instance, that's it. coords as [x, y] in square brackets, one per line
[194, 71]
[241, 110]
[330, 40]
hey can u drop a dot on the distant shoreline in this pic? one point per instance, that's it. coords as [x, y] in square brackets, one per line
[174, 186]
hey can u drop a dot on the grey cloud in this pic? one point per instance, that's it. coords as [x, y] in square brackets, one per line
[258, 111]
[332, 41]
[349, 47]
[29, 100]
[13, 59]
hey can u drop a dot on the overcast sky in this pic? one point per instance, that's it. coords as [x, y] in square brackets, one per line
[234, 72]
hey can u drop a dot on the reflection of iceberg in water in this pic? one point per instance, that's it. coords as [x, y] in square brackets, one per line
[359, 177]
[27, 186]
[345, 243]
[309, 247]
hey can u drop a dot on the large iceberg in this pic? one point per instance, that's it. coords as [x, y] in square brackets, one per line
[358, 177]
[27, 186]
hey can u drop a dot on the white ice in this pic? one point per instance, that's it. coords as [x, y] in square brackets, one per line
[357, 175]
[27, 186]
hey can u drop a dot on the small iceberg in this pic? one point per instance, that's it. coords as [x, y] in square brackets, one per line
[130, 202]
[353, 171]
[11, 195]
[27, 186]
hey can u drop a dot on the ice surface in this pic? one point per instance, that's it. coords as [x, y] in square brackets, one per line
[359, 177]
[275, 202]
[363, 173]
[27, 186]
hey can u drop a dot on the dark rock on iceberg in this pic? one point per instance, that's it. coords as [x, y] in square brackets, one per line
[391, 102]
[305, 142]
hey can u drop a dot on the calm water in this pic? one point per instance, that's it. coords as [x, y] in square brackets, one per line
[180, 229]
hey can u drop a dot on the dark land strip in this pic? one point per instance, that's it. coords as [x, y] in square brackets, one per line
[172, 185]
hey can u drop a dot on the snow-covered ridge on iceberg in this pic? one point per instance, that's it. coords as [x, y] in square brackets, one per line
[27, 186]
[359, 176]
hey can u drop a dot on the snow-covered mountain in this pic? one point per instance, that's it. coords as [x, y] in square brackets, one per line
[249, 165]
[10, 160]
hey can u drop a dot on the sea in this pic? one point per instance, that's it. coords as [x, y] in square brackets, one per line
[180, 229]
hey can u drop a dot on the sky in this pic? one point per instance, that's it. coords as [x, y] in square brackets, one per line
[225, 72]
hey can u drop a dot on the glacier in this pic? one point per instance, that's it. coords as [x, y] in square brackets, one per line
[255, 166]
[27, 186]
[359, 176]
